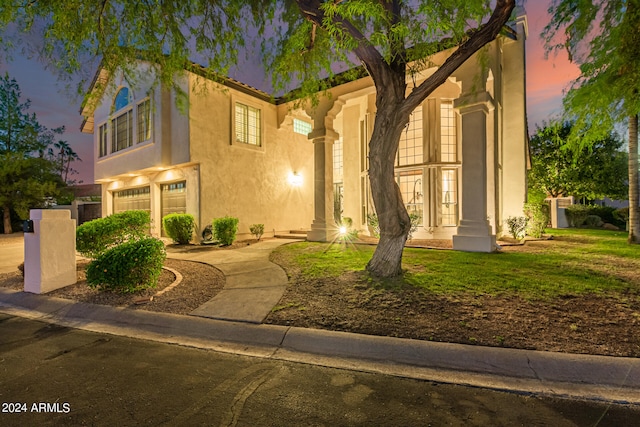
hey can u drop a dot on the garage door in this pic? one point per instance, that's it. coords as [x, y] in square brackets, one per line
[132, 199]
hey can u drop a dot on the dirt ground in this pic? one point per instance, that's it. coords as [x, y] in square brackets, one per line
[586, 324]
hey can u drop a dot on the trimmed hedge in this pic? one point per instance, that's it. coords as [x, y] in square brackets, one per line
[128, 267]
[225, 229]
[578, 214]
[179, 227]
[95, 237]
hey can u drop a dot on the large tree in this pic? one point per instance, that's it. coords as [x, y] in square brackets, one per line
[591, 173]
[304, 42]
[603, 37]
[27, 177]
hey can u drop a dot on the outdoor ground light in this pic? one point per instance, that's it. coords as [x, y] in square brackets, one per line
[342, 230]
[295, 179]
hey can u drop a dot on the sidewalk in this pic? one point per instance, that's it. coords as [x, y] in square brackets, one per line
[250, 276]
[254, 285]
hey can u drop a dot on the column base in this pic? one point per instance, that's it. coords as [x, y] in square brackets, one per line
[320, 232]
[474, 237]
[475, 243]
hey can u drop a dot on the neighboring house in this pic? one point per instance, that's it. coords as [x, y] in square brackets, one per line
[234, 150]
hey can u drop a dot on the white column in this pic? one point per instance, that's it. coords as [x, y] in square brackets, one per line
[474, 233]
[323, 228]
[50, 251]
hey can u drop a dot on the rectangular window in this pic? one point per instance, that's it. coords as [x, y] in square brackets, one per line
[449, 197]
[448, 136]
[144, 121]
[338, 162]
[301, 127]
[248, 125]
[122, 132]
[102, 140]
[411, 148]
[410, 184]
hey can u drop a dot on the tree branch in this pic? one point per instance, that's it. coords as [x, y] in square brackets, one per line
[483, 35]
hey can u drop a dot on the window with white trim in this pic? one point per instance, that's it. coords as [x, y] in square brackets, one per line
[103, 142]
[143, 121]
[448, 134]
[410, 149]
[248, 124]
[122, 132]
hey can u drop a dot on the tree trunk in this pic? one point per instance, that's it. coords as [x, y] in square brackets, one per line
[6, 219]
[634, 218]
[392, 215]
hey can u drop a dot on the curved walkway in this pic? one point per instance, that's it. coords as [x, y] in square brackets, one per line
[254, 285]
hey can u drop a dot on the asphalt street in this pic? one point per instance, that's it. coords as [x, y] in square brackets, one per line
[53, 375]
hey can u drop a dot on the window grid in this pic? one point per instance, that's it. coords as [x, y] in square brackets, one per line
[102, 140]
[144, 121]
[410, 150]
[122, 132]
[301, 127]
[410, 184]
[247, 124]
[448, 137]
[449, 197]
[338, 161]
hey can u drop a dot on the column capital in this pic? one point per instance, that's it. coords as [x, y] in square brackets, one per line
[472, 102]
[323, 135]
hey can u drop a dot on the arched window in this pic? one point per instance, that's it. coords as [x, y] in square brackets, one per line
[122, 99]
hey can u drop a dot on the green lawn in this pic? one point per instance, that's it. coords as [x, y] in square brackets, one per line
[576, 261]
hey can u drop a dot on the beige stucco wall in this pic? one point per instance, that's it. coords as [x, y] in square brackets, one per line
[251, 183]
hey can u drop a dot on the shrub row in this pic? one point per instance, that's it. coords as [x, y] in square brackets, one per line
[579, 215]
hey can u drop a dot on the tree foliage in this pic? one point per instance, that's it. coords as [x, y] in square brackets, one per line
[304, 43]
[603, 37]
[27, 175]
[593, 173]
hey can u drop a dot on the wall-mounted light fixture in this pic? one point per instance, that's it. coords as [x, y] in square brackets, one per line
[295, 179]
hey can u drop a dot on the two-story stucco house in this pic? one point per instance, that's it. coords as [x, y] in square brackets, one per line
[234, 150]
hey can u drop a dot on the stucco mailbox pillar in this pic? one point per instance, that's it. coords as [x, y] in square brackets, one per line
[50, 251]
[474, 233]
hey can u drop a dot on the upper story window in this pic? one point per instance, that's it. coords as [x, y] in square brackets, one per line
[248, 124]
[144, 121]
[448, 134]
[301, 127]
[127, 120]
[410, 150]
[122, 99]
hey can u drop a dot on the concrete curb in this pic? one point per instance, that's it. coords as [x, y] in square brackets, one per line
[602, 378]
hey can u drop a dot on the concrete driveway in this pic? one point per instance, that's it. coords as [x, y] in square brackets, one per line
[11, 252]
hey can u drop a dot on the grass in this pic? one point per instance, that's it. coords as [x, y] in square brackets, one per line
[575, 262]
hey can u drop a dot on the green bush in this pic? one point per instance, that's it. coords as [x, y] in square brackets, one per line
[517, 226]
[372, 221]
[622, 215]
[415, 219]
[179, 227]
[95, 237]
[577, 214]
[606, 214]
[593, 221]
[225, 229]
[128, 267]
[537, 218]
[257, 230]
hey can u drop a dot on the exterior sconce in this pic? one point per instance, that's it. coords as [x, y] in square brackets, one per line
[295, 179]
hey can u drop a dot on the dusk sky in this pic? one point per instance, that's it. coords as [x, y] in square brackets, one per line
[546, 81]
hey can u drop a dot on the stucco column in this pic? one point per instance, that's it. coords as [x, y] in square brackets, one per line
[474, 232]
[323, 228]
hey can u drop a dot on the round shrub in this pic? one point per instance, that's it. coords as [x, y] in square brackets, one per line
[129, 267]
[225, 229]
[179, 227]
[95, 237]
[593, 221]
